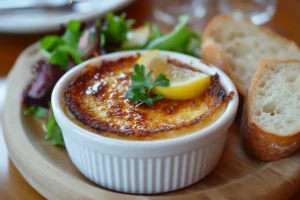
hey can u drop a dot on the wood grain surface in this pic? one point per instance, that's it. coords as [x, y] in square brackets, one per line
[12, 184]
[50, 171]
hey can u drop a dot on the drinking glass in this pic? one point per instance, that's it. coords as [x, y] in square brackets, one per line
[167, 11]
[258, 11]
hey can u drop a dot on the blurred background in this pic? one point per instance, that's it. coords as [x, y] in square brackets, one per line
[20, 27]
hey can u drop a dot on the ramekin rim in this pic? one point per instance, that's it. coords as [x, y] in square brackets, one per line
[222, 121]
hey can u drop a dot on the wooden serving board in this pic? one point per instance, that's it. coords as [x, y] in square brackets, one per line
[50, 171]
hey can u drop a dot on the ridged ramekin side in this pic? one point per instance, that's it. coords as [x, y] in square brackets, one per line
[144, 166]
[145, 175]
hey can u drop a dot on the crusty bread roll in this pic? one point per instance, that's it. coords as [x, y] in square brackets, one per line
[270, 128]
[236, 46]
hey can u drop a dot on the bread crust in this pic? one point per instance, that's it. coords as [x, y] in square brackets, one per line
[211, 53]
[257, 141]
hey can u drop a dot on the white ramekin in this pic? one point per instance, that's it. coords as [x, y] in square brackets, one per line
[145, 167]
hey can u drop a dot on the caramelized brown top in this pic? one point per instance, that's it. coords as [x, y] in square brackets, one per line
[96, 98]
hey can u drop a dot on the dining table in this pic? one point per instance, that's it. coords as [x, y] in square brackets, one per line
[285, 22]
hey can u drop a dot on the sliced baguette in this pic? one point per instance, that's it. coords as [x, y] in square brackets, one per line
[236, 46]
[270, 127]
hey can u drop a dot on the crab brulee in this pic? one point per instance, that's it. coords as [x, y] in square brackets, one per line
[98, 99]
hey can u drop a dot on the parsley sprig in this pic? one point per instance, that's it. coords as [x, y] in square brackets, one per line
[141, 86]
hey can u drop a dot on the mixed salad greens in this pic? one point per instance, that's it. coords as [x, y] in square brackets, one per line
[80, 42]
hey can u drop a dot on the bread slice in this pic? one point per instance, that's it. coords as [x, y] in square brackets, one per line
[236, 46]
[270, 127]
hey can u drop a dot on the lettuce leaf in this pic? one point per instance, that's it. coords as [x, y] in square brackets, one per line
[54, 132]
[50, 42]
[39, 112]
[72, 34]
[116, 27]
[177, 40]
[61, 56]
[60, 50]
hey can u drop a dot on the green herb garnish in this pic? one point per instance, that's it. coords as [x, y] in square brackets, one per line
[50, 42]
[177, 40]
[72, 34]
[182, 39]
[116, 28]
[141, 86]
[39, 112]
[61, 55]
[58, 49]
[54, 133]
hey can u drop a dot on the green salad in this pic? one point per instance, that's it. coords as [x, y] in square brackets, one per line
[80, 42]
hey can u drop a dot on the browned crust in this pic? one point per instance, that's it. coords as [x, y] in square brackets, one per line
[215, 96]
[216, 56]
[257, 141]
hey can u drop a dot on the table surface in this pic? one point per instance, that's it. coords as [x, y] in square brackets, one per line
[12, 184]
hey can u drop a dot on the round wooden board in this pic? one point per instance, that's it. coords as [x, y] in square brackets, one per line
[50, 171]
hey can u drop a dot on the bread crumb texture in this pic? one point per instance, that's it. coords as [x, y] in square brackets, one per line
[276, 99]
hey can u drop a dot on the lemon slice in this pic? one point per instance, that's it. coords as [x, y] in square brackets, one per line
[148, 57]
[184, 83]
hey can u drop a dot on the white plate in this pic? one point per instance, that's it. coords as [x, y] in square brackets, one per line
[37, 21]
